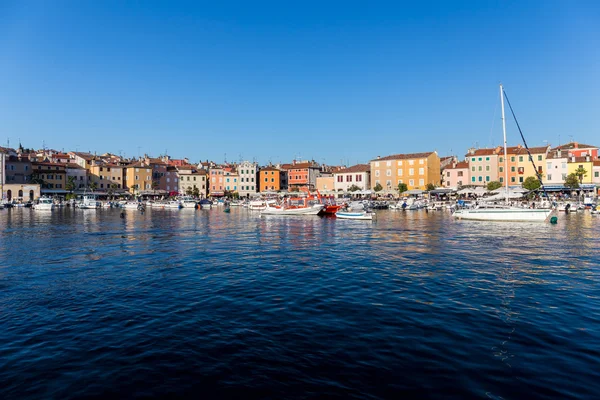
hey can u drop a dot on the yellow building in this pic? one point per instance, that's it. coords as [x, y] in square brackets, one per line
[138, 177]
[416, 170]
[105, 175]
[325, 183]
[587, 163]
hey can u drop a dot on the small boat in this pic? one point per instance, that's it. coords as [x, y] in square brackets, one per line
[188, 202]
[205, 203]
[173, 205]
[44, 203]
[131, 205]
[354, 215]
[88, 201]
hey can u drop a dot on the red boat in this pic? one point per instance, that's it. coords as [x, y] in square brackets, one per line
[329, 209]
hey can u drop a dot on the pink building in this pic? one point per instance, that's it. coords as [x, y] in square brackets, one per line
[456, 175]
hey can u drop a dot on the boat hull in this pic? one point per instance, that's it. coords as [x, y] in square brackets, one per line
[314, 210]
[504, 214]
[354, 215]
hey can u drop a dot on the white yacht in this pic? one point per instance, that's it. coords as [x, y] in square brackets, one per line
[188, 202]
[44, 203]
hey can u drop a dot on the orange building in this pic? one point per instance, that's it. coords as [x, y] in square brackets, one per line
[138, 177]
[269, 179]
[519, 164]
[415, 170]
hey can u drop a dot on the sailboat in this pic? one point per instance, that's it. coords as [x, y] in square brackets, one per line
[503, 213]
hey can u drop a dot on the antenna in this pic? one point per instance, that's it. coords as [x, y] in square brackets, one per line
[225, 158]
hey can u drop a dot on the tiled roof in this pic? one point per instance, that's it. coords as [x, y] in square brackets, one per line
[355, 168]
[269, 169]
[459, 165]
[579, 159]
[482, 152]
[85, 156]
[522, 150]
[404, 156]
[575, 145]
[596, 163]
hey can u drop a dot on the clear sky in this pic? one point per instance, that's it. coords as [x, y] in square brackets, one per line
[273, 81]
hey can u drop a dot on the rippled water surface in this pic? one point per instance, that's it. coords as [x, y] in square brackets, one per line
[204, 304]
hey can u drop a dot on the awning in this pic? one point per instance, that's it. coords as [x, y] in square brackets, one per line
[442, 191]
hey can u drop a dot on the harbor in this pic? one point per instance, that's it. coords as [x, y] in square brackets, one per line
[238, 304]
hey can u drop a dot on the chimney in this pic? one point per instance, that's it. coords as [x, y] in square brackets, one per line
[587, 158]
[558, 153]
[573, 159]
[378, 157]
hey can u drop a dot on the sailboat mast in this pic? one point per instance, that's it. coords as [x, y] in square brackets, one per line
[505, 151]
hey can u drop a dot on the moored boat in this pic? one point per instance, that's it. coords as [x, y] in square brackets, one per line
[354, 215]
[44, 203]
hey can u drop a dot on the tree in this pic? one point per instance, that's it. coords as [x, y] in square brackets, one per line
[353, 188]
[94, 185]
[580, 173]
[35, 179]
[195, 192]
[494, 185]
[430, 187]
[572, 181]
[188, 190]
[378, 188]
[531, 183]
[70, 185]
[402, 187]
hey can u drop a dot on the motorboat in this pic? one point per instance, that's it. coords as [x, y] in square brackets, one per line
[188, 202]
[131, 205]
[354, 215]
[172, 205]
[285, 210]
[44, 203]
[88, 201]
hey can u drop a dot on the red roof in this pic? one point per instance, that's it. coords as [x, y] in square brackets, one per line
[404, 156]
[459, 165]
[355, 168]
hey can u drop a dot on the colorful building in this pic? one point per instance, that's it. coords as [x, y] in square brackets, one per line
[301, 174]
[231, 180]
[325, 183]
[269, 179]
[520, 167]
[483, 166]
[138, 177]
[416, 170]
[216, 175]
[357, 175]
[457, 175]
[51, 176]
[556, 168]
[247, 172]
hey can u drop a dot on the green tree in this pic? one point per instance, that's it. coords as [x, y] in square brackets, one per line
[70, 185]
[188, 191]
[572, 181]
[195, 192]
[430, 187]
[378, 188]
[353, 188]
[580, 173]
[531, 183]
[36, 180]
[402, 187]
[494, 185]
[94, 185]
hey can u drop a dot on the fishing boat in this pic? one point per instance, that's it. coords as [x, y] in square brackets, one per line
[44, 203]
[505, 212]
[354, 215]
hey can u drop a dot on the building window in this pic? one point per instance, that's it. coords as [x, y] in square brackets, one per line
[348, 178]
[411, 171]
[512, 159]
[473, 169]
[411, 162]
[376, 172]
[421, 162]
[480, 168]
[500, 159]
[460, 173]
[539, 158]
[521, 179]
[480, 159]
[377, 163]
[399, 172]
[487, 178]
[501, 179]
[411, 182]
[472, 179]
[340, 178]
[388, 164]
[400, 163]
[512, 178]
[473, 159]
[388, 172]
[512, 169]
[359, 177]
[421, 171]
[421, 182]
[550, 177]
[487, 159]
[480, 179]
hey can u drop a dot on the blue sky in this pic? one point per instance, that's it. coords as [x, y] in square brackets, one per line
[338, 82]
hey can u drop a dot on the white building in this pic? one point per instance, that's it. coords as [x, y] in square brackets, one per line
[556, 167]
[247, 172]
[359, 175]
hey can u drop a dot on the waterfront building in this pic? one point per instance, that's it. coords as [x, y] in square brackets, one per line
[159, 171]
[247, 172]
[556, 168]
[520, 166]
[17, 169]
[190, 180]
[51, 176]
[230, 180]
[105, 176]
[270, 179]
[575, 149]
[483, 166]
[574, 163]
[457, 175]
[21, 192]
[301, 174]
[416, 170]
[172, 180]
[216, 182]
[138, 177]
[325, 183]
[357, 175]
[78, 175]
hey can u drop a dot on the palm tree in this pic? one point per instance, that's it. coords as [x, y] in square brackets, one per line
[580, 172]
[70, 186]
